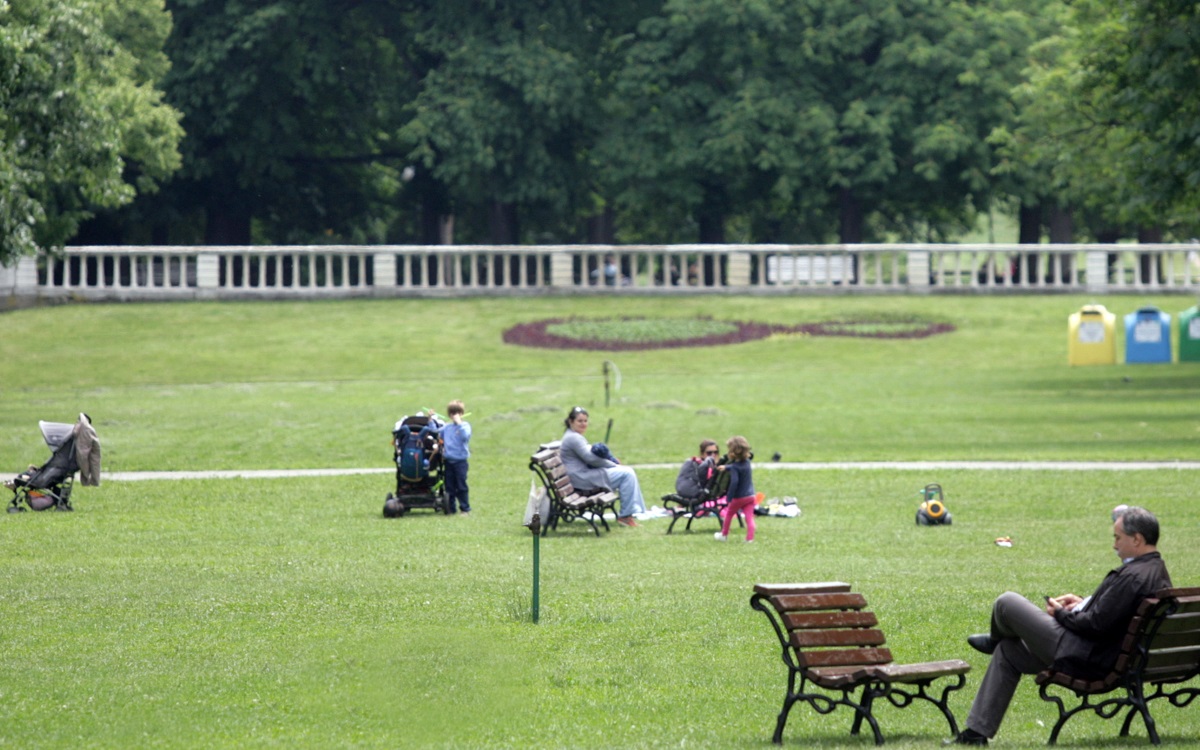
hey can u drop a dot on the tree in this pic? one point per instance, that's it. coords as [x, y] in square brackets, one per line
[82, 125]
[286, 106]
[1139, 62]
[507, 113]
[858, 117]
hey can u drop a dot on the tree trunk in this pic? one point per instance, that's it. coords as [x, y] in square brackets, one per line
[602, 227]
[850, 213]
[502, 223]
[227, 226]
[711, 218]
[1029, 232]
[1062, 232]
[1150, 266]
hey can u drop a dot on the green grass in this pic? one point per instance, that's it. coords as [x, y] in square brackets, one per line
[289, 613]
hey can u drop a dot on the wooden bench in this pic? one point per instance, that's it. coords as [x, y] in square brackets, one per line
[1161, 650]
[831, 641]
[567, 504]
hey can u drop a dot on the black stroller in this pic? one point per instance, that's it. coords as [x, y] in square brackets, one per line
[76, 449]
[418, 456]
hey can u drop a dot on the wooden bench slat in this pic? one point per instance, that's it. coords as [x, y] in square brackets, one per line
[782, 589]
[1177, 639]
[844, 658]
[923, 670]
[848, 619]
[854, 637]
[809, 602]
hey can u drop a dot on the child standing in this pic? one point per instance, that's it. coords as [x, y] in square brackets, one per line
[456, 435]
[741, 487]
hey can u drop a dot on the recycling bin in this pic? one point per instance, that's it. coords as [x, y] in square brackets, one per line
[1091, 338]
[1147, 336]
[1189, 335]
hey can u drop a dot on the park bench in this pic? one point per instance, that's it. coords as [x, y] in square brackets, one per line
[1161, 650]
[708, 504]
[831, 642]
[566, 503]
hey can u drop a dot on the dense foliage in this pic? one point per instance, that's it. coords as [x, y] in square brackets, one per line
[620, 121]
[82, 125]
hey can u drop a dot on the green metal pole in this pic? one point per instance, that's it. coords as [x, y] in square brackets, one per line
[536, 528]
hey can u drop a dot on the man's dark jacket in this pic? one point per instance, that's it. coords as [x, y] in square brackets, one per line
[1092, 639]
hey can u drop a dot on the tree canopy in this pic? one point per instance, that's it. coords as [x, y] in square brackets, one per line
[82, 126]
[626, 120]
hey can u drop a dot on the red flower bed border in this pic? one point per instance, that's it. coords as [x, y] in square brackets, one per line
[537, 334]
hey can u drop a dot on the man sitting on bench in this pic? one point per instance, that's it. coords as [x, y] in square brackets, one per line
[1079, 636]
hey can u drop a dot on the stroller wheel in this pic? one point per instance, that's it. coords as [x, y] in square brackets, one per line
[392, 507]
[15, 509]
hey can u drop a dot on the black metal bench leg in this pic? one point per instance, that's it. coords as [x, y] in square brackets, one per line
[1139, 707]
[863, 711]
[781, 722]
[943, 703]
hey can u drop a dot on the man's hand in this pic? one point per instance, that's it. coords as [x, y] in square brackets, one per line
[1064, 601]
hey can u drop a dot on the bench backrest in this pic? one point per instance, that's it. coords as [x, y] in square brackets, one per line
[827, 625]
[547, 463]
[1163, 642]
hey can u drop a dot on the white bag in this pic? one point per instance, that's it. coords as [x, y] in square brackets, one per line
[539, 502]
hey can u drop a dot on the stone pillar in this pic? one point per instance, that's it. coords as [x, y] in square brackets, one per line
[561, 272]
[918, 270]
[737, 270]
[385, 269]
[1096, 272]
[208, 270]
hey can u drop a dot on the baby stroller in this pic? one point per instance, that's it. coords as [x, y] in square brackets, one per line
[418, 457]
[76, 449]
[710, 502]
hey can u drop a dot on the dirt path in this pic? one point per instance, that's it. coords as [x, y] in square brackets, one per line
[134, 476]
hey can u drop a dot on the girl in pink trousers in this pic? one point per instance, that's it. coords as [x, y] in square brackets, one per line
[741, 488]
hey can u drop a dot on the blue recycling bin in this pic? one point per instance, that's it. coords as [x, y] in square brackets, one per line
[1147, 336]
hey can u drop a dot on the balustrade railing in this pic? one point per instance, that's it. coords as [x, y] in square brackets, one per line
[440, 270]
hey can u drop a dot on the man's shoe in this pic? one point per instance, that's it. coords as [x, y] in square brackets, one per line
[627, 521]
[967, 737]
[982, 642]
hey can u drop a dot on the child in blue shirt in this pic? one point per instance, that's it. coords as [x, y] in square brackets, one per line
[742, 496]
[456, 435]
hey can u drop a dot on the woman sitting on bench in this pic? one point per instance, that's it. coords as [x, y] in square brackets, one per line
[591, 472]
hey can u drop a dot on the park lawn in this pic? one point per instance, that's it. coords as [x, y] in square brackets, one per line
[266, 613]
[288, 612]
[320, 384]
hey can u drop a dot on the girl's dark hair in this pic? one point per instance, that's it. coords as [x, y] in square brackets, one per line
[572, 414]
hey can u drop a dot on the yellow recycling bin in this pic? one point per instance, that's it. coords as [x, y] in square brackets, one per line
[1092, 339]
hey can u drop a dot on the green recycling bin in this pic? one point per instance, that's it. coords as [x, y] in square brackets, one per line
[1189, 335]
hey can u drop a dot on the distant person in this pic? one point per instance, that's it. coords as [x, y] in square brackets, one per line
[697, 471]
[456, 438]
[590, 471]
[1079, 636]
[741, 494]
